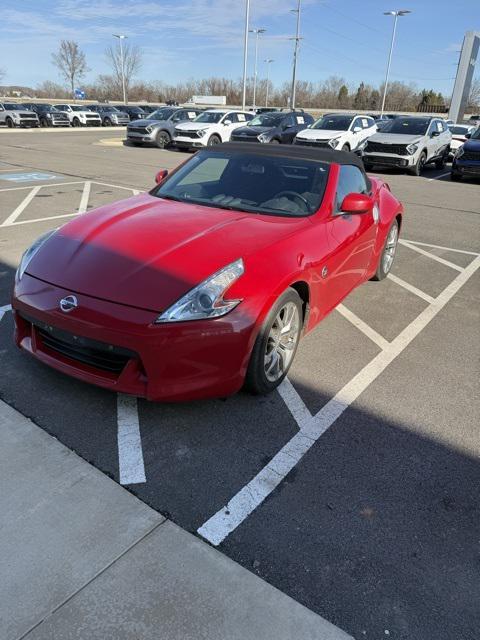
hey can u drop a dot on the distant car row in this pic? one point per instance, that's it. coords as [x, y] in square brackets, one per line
[32, 114]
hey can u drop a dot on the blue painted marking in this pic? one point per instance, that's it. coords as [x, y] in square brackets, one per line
[26, 177]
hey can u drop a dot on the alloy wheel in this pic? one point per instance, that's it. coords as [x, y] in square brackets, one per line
[282, 341]
[390, 249]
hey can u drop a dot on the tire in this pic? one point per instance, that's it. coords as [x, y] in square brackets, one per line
[417, 168]
[76, 122]
[275, 141]
[265, 373]
[387, 257]
[442, 162]
[346, 147]
[10, 123]
[213, 140]
[455, 177]
[107, 122]
[163, 139]
[44, 122]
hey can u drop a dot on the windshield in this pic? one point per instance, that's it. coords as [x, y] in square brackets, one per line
[210, 116]
[134, 109]
[267, 120]
[11, 106]
[110, 109]
[161, 114]
[476, 134]
[407, 126]
[256, 183]
[459, 131]
[76, 107]
[334, 123]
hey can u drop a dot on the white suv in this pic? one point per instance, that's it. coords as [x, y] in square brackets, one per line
[341, 131]
[80, 116]
[210, 127]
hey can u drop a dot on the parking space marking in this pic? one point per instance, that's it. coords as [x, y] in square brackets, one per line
[294, 403]
[57, 184]
[251, 496]
[85, 196]
[3, 310]
[21, 207]
[411, 288]
[447, 263]
[362, 326]
[130, 453]
[443, 175]
[438, 246]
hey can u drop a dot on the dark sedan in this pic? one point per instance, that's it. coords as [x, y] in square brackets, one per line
[466, 163]
[273, 126]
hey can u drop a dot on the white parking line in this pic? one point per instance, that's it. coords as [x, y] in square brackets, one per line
[130, 453]
[57, 184]
[432, 256]
[23, 205]
[135, 192]
[438, 246]
[85, 196]
[295, 404]
[362, 326]
[221, 524]
[3, 310]
[64, 215]
[411, 288]
[443, 175]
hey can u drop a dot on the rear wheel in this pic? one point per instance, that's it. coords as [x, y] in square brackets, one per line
[276, 344]
[388, 254]
[162, 139]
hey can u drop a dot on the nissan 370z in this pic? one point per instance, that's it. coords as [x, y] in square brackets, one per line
[207, 283]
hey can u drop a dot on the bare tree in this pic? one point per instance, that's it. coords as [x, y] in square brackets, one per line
[71, 62]
[132, 63]
[474, 98]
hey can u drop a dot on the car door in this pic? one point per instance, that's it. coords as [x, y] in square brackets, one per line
[288, 129]
[351, 238]
[356, 133]
[434, 140]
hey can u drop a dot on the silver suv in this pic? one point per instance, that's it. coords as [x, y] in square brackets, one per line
[16, 115]
[409, 142]
[158, 128]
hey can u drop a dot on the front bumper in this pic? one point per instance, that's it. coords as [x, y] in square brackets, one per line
[27, 124]
[388, 160]
[189, 143]
[466, 168]
[170, 362]
[144, 136]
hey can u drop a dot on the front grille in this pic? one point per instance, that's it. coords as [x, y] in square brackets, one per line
[244, 138]
[92, 117]
[470, 155]
[186, 134]
[379, 147]
[99, 355]
[385, 160]
[313, 143]
[141, 130]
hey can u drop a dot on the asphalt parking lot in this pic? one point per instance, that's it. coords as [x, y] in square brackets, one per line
[355, 489]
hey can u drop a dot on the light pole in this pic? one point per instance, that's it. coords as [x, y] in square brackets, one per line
[295, 55]
[268, 61]
[121, 37]
[245, 53]
[395, 14]
[257, 32]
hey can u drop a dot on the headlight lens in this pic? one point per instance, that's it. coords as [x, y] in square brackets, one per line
[460, 152]
[411, 148]
[30, 252]
[263, 138]
[334, 142]
[206, 299]
[201, 132]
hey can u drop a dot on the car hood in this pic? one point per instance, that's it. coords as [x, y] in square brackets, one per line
[24, 112]
[472, 145]
[394, 138]
[252, 131]
[319, 134]
[146, 122]
[193, 126]
[147, 252]
[86, 113]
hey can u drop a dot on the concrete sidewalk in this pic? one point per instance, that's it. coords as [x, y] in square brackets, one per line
[82, 558]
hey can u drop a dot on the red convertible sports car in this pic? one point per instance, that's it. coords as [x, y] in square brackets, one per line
[206, 283]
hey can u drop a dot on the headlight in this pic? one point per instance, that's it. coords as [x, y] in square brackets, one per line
[460, 152]
[334, 142]
[149, 129]
[206, 299]
[30, 252]
[16, 116]
[263, 138]
[49, 116]
[411, 148]
[201, 132]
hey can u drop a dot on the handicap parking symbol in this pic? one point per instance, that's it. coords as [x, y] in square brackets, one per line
[26, 177]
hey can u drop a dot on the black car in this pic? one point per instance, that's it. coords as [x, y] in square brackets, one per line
[148, 108]
[278, 127]
[48, 115]
[466, 162]
[135, 113]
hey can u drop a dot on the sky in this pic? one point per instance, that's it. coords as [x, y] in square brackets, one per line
[182, 39]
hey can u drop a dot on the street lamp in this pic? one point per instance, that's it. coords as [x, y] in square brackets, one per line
[122, 37]
[268, 61]
[395, 14]
[257, 32]
[245, 53]
[295, 55]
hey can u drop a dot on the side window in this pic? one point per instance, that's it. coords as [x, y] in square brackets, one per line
[368, 122]
[289, 121]
[230, 116]
[249, 116]
[350, 180]
[356, 123]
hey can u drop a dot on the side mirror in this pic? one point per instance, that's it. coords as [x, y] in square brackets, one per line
[227, 122]
[161, 175]
[356, 129]
[468, 136]
[356, 203]
[434, 134]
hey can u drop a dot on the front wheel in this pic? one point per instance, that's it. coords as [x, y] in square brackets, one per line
[75, 122]
[44, 122]
[441, 163]
[162, 139]
[276, 344]
[346, 147]
[417, 168]
[213, 140]
[10, 123]
[388, 254]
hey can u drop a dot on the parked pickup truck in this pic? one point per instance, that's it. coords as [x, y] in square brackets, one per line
[16, 115]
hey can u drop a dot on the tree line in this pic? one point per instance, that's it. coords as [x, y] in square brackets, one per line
[332, 93]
